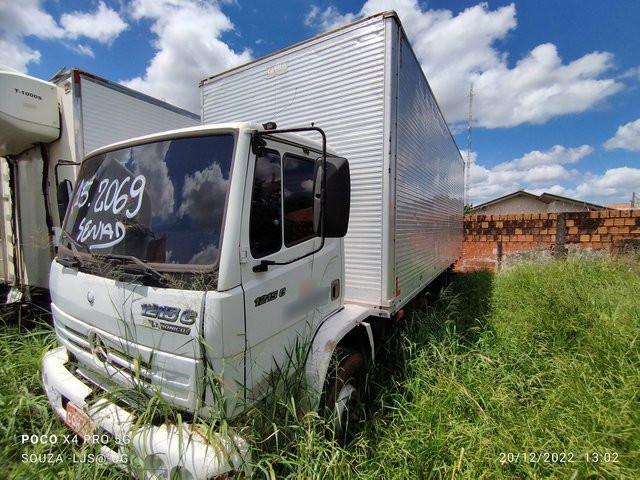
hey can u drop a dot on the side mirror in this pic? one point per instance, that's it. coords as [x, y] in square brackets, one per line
[64, 191]
[337, 201]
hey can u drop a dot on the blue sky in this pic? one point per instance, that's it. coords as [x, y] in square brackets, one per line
[556, 84]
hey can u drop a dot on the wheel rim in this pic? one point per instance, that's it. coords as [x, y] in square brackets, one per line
[345, 396]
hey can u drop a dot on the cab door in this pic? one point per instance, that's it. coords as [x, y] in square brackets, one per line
[277, 226]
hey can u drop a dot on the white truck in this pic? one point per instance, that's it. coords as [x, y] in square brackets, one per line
[46, 127]
[212, 252]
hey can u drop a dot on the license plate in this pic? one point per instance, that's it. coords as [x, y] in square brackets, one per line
[78, 421]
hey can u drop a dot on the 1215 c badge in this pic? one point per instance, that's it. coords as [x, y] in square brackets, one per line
[269, 297]
[161, 315]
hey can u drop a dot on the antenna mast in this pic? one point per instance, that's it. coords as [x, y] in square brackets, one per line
[467, 169]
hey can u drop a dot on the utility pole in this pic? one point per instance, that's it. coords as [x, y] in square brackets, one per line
[467, 166]
[633, 200]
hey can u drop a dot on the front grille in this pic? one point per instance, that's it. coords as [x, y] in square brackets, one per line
[116, 358]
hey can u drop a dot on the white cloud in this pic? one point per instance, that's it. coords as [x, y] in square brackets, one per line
[207, 256]
[15, 54]
[536, 171]
[328, 18]
[203, 195]
[615, 183]
[151, 162]
[544, 171]
[26, 18]
[627, 137]
[188, 48]
[456, 50]
[19, 20]
[103, 25]
[85, 50]
[633, 73]
[557, 155]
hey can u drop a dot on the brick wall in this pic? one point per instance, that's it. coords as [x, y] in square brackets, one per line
[490, 241]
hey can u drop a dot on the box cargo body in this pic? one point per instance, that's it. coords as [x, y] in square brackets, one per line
[363, 85]
[89, 112]
[105, 112]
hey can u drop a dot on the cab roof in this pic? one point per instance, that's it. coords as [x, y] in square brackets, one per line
[201, 130]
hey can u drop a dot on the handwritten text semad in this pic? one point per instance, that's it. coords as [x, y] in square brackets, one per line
[114, 196]
[107, 203]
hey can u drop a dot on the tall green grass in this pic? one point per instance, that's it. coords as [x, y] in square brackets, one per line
[24, 409]
[515, 375]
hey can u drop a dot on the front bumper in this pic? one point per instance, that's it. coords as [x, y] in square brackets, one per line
[164, 450]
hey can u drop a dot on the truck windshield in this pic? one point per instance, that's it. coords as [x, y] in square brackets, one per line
[162, 202]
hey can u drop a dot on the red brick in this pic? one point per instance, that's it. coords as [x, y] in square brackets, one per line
[585, 238]
[619, 237]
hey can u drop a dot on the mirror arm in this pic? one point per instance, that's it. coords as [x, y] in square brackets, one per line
[263, 266]
[63, 163]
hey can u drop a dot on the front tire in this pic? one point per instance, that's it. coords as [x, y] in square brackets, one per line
[344, 391]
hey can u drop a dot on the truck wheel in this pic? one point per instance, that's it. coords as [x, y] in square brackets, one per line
[343, 391]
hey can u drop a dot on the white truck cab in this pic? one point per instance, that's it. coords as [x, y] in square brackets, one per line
[206, 252]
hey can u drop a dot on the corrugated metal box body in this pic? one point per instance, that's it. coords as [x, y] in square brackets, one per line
[337, 82]
[429, 182]
[111, 113]
[346, 82]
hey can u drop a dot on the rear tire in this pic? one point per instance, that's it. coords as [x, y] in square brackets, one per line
[344, 391]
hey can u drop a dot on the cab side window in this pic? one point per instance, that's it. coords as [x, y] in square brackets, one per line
[265, 229]
[298, 199]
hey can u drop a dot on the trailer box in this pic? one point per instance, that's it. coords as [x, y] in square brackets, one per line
[364, 86]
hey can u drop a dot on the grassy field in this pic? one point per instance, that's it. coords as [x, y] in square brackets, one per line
[531, 373]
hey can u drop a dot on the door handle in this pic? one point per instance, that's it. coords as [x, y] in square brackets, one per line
[263, 266]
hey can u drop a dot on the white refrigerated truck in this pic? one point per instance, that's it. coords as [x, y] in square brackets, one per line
[46, 127]
[214, 251]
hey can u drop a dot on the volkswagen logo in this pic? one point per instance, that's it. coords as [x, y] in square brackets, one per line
[91, 297]
[98, 348]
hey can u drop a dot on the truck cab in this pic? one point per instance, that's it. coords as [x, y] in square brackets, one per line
[192, 264]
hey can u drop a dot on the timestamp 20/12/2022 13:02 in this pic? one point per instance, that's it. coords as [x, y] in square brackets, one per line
[558, 457]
